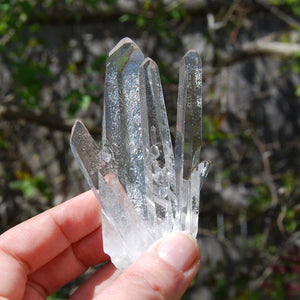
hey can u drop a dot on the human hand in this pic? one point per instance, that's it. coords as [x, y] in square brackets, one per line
[42, 254]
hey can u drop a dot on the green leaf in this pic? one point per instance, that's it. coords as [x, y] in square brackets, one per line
[99, 63]
[5, 7]
[3, 143]
[125, 18]
[29, 185]
[296, 68]
[141, 21]
[291, 226]
[85, 102]
[34, 27]
[25, 186]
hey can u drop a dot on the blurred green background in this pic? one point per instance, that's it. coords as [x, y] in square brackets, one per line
[52, 64]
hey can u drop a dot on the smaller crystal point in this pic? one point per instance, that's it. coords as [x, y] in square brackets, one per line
[145, 191]
[86, 152]
[126, 41]
[189, 114]
[188, 140]
[117, 210]
[158, 152]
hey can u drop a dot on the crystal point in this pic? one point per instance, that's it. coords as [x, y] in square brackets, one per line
[189, 114]
[117, 210]
[158, 152]
[188, 141]
[145, 190]
[122, 130]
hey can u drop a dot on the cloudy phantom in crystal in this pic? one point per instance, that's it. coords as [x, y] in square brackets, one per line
[145, 190]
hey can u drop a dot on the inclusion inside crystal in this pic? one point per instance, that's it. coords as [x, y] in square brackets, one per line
[146, 191]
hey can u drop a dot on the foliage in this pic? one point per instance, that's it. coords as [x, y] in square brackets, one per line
[29, 185]
[20, 23]
[76, 100]
[211, 128]
[292, 5]
[158, 17]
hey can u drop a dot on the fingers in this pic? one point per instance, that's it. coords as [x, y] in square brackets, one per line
[68, 265]
[52, 248]
[38, 240]
[12, 275]
[58, 245]
[163, 272]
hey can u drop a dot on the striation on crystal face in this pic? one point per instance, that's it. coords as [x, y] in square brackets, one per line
[145, 191]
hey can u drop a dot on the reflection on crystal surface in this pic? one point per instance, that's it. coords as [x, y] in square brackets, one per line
[145, 193]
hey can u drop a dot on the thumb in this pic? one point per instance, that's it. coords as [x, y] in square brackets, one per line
[164, 271]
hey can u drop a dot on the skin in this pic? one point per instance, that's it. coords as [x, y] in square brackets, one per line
[42, 254]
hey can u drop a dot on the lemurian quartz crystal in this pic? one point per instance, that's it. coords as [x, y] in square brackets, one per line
[145, 189]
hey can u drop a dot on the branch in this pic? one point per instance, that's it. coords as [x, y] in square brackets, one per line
[266, 163]
[12, 113]
[286, 50]
[258, 48]
[280, 14]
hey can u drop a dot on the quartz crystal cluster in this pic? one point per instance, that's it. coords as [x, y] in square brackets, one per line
[146, 190]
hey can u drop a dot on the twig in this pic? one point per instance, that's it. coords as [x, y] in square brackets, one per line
[280, 219]
[256, 48]
[261, 46]
[11, 113]
[266, 163]
[265, 275]
[280, 14]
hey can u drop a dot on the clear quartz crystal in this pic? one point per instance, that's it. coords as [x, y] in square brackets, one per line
[188, 142]
[158, 152]
[144, 192]
[122, 130]
[120, 221]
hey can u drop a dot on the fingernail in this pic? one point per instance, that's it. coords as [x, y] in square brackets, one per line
[180, 251]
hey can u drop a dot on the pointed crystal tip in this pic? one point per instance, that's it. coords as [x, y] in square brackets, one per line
[77, 127]
[123, 42]
[192, 57]
[148, 62]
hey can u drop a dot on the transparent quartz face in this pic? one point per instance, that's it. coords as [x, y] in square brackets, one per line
[145, 189]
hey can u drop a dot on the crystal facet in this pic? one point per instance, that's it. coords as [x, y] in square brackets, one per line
[144, 191]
